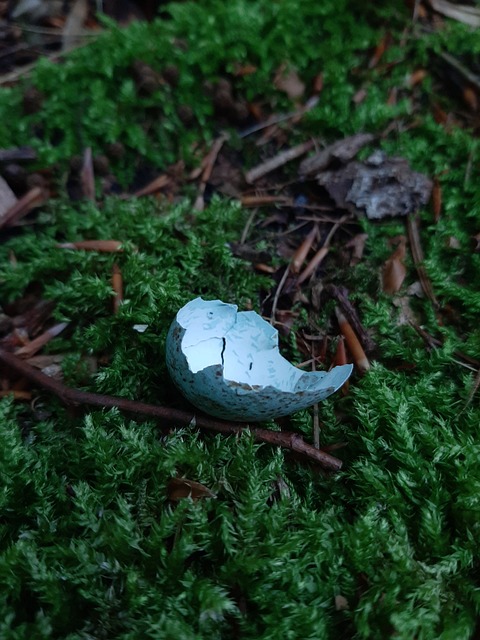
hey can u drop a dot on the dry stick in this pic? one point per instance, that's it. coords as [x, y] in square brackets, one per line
[31, 348]
[75, 397]
[321, 253]
[313, 264]
[207, 172]
[247, 226]
[303, 250]
[13, 76]
[462, 358]
[277, 294]
[31, 199]
[257, 201]
[417, 254]
[151, 188]
[311, 102]
[471, 77]
[278, 161]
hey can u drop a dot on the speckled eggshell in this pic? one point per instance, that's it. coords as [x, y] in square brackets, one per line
[208, 337]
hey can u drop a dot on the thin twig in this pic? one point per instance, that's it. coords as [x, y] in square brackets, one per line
[417, 254]
[247, 226]
[277, 119]
[33, 198]
[277, 294]
[207, 171]
[278, 161]
[75, 397]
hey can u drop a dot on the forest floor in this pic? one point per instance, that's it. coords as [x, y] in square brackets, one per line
[317, 163]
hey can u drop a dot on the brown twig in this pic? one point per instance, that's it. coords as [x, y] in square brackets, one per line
[207, 171]
[462, 359]
[340, 294]
[261, 200]
[75, 397]
[278, 161]
[31, 348]
[417, 254]
[33, 198]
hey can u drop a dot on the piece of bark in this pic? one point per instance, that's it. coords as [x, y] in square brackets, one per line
[179, 488]
[379, 187]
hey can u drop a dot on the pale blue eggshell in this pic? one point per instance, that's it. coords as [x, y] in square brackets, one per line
[227, 364]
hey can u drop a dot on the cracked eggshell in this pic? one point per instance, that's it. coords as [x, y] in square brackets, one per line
[227, 363]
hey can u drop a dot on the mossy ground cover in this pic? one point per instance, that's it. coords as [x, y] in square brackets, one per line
[91, 547]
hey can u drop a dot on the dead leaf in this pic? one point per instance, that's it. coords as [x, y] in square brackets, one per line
[179, 488]
[341, 603]
[380, 49]
[393, 275]
[357, 245]
[453, 243]
[289, 82]
[379, 187]
[359, 96]
[417, 77]
[394, 270]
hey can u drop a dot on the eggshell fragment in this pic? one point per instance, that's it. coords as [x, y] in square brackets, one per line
[227, 363]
